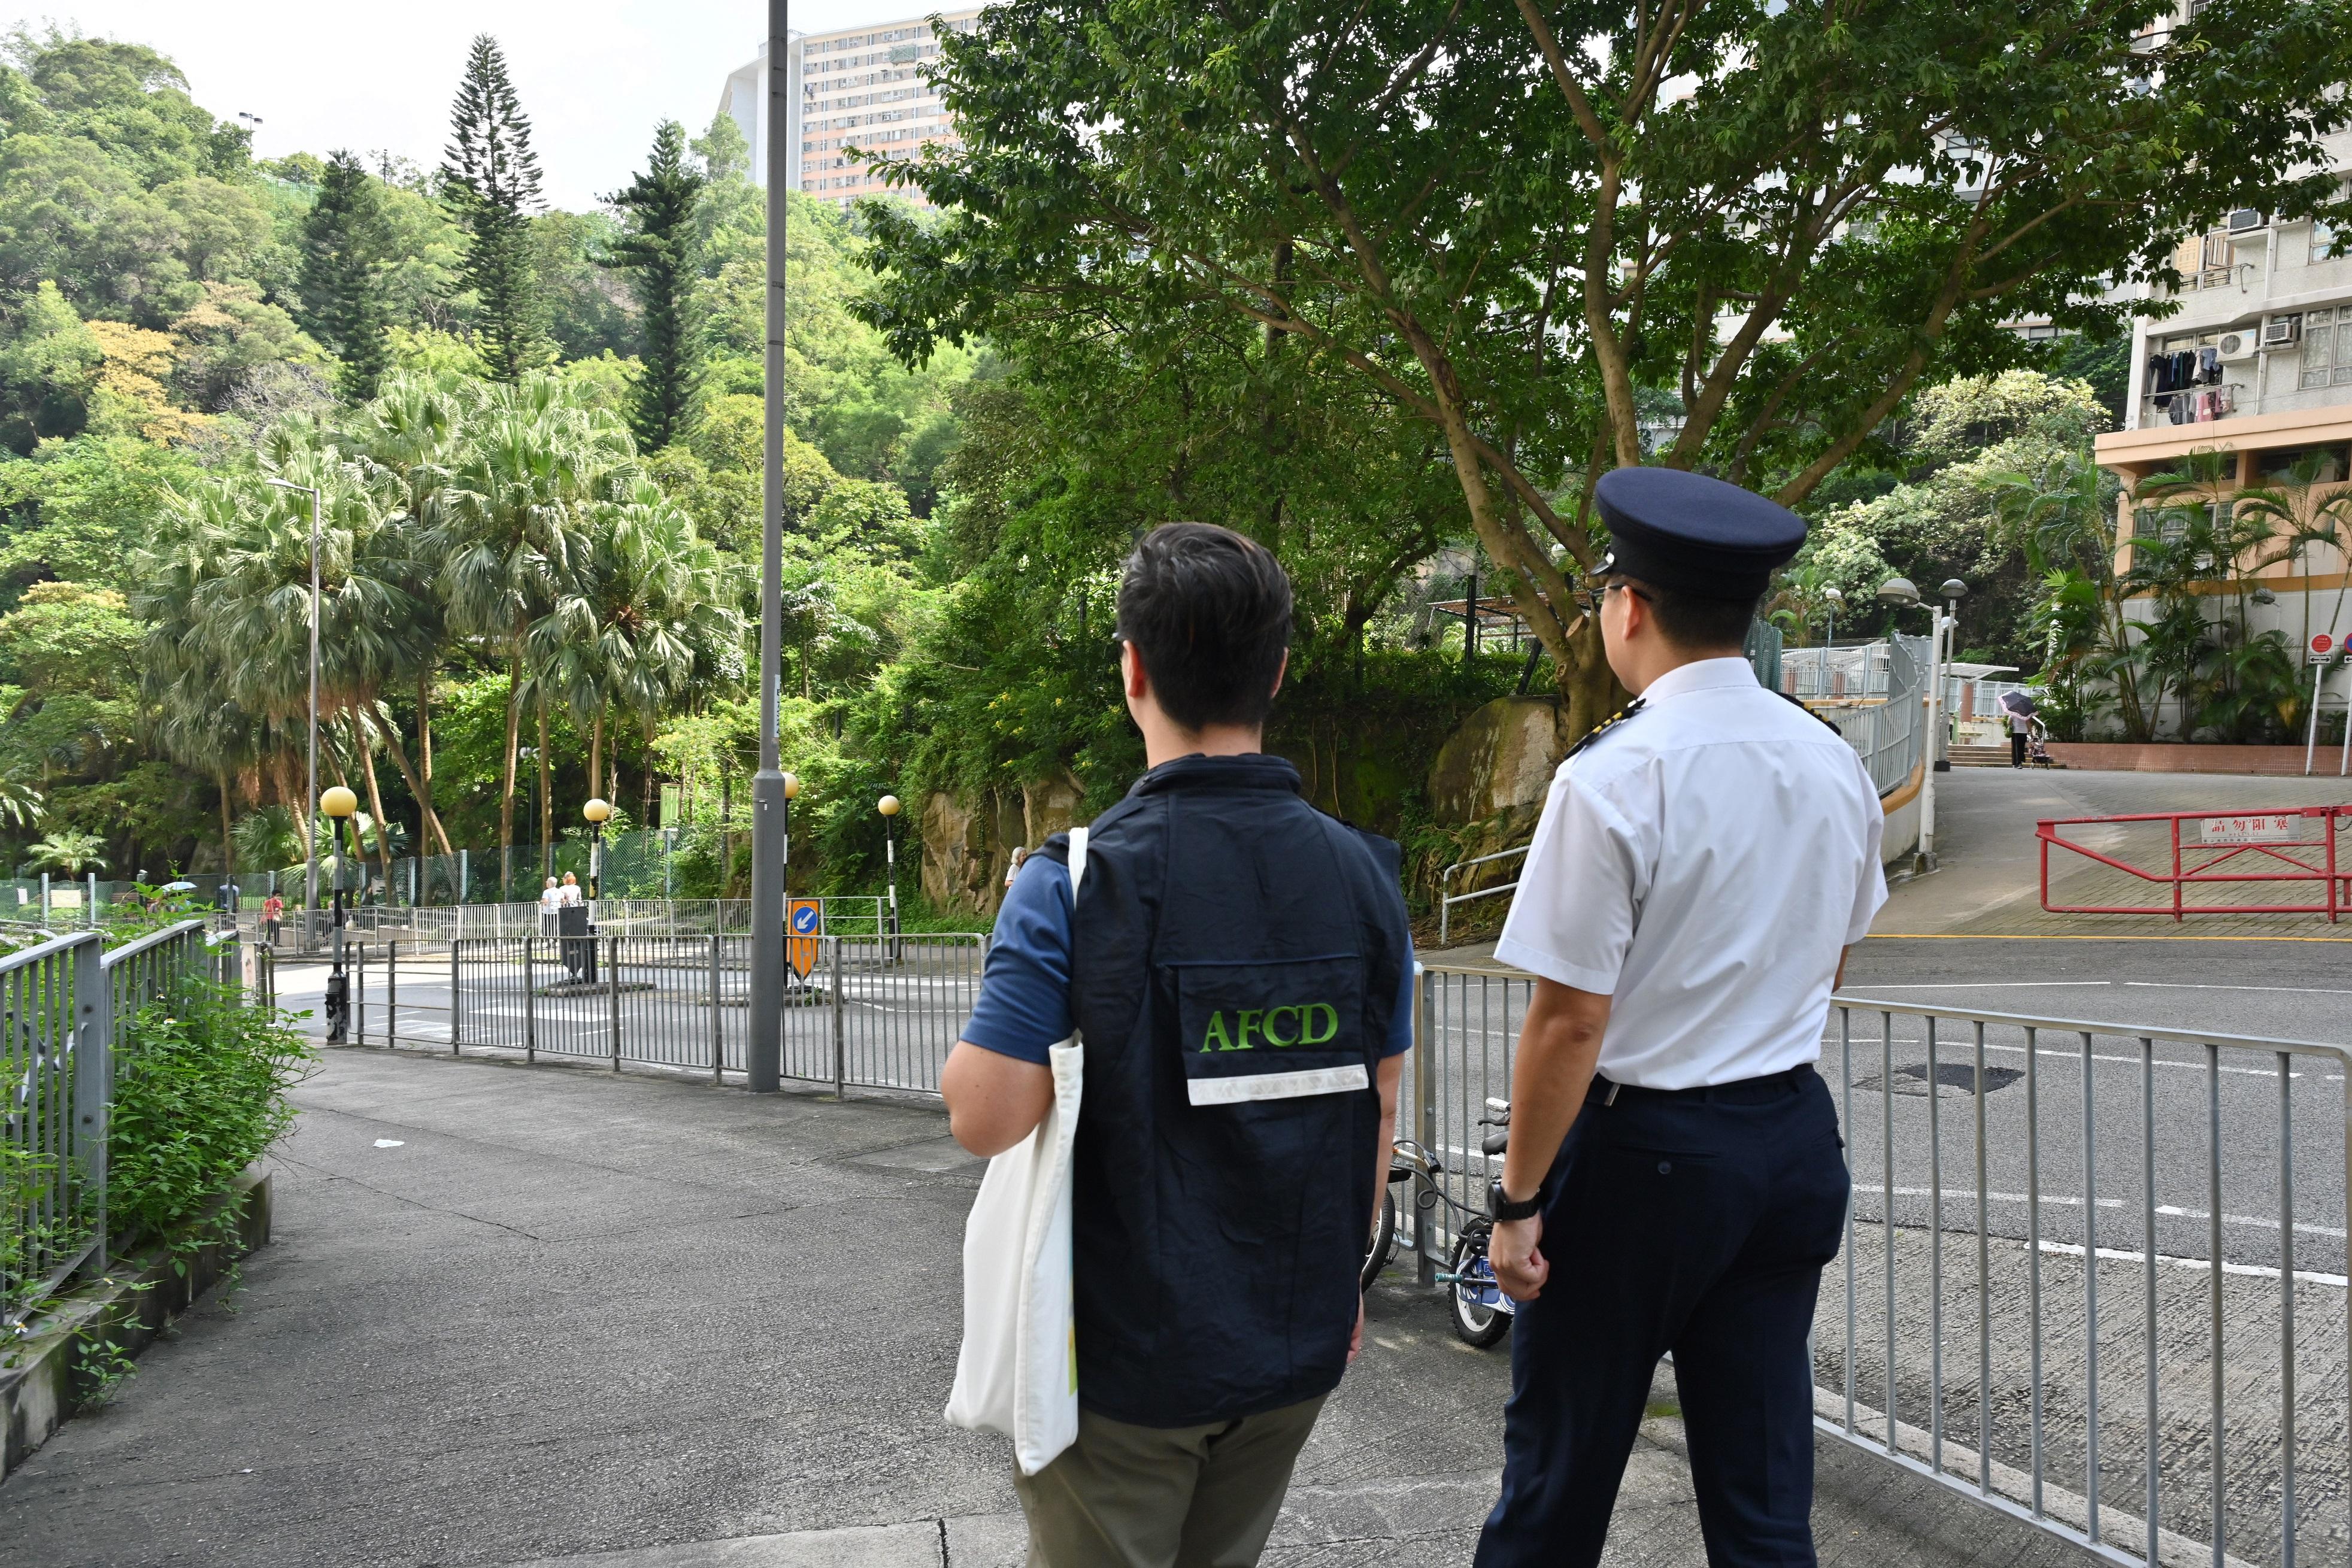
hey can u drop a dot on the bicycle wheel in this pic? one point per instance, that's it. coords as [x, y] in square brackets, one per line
[1384, 1237]
[1481, 1317]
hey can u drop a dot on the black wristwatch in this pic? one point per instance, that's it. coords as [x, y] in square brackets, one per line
[1504, 1210]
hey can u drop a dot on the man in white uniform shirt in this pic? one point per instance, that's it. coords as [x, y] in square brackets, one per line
[1675, 1181]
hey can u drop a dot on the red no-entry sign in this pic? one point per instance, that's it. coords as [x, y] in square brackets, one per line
[2322, 644]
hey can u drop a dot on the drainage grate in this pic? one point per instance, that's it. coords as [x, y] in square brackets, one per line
[1952, 1077]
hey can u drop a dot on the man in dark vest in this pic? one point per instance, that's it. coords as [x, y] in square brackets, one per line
[1239, 968]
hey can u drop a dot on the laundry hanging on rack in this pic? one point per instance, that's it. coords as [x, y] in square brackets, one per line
[2209, 364]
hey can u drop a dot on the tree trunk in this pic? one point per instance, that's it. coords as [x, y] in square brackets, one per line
[429, 828]
[507, 776]
[546, 798]
[375, 800]
[228, 843]
[420, 782]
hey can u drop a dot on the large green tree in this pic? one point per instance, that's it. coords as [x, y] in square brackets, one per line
[1570, 236]
[659, 252]
[489, 180]
[345, 244]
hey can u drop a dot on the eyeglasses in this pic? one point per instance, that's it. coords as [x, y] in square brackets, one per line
[1593, 598]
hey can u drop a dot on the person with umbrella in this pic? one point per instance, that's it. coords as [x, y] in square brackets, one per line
[2018, 709]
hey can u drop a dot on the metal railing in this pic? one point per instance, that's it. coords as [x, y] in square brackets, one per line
[2093, 1275]
[1446, 900]
[868, 1012]
[2240, 853]
[63, 1003]
[437, 925]
[1891, 736]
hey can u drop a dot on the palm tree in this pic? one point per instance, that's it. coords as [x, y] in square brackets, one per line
[510, 529]
[69, 851]
[2063, 517]
[226, 588]
[415, 430]
[648, 618]
[2308, 504]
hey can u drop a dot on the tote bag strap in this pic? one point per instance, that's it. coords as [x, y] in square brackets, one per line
[1077, 864]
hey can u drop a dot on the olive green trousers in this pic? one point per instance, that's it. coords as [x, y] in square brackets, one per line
[1164, 1496]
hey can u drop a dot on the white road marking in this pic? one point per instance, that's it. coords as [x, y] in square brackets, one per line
[1987, 984]
[2068, 1200]
[2187, 985]
[2076, 1056]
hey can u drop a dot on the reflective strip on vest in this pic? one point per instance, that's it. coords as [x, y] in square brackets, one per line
[1278, 1085]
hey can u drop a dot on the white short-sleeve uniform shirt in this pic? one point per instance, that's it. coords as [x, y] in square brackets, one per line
[1703, 864]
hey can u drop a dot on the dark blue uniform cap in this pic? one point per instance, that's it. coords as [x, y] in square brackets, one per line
[1689, 534]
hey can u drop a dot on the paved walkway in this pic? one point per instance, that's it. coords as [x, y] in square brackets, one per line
[1989, 883]
[547, 1315]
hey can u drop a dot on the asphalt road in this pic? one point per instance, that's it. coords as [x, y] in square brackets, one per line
[898, 1025]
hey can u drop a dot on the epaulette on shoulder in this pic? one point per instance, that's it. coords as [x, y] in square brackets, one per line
[1809, 713]
[1605, 725]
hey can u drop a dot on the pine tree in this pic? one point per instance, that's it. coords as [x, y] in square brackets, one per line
[490, 181]
[344, 242]
[659, 253]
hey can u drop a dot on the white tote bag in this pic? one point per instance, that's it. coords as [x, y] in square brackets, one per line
[1018, 1371]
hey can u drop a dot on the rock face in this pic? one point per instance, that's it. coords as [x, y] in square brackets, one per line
[1500, 762]
[967, 844]
[1049, 808]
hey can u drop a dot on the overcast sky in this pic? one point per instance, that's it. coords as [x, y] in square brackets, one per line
[593, 75]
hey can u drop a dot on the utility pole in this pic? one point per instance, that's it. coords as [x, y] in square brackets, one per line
[762, 1053]
[311, 784]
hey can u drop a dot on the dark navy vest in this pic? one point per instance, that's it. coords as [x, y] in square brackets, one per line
[1236, 957]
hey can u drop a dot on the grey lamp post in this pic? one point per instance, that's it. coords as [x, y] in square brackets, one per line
[763, 1047]
[337, 806]
[310, 778]
[598, 811]
[1947, 628]
[888, 807]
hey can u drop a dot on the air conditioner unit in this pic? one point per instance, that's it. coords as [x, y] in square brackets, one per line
[2246, 220]
[2240, 343]
[2280, 330]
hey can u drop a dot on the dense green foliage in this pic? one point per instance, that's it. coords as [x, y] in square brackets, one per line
[345, 241]
[199, 1095]
[1386, 289]
[490, 178]
[658, 251]
[1563, 237]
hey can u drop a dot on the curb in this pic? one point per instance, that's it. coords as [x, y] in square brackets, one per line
[44, 1386]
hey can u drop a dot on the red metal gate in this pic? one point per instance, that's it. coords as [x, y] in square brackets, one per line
[2246, 847]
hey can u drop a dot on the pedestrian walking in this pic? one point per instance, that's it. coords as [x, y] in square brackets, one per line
[2020, 725]
[273, 918]
[1675, 1180]
[1012, 871]
[1239, 969]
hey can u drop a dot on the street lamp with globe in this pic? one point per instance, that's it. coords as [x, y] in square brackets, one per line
[889, 807]
[338, 805]
[598, 811]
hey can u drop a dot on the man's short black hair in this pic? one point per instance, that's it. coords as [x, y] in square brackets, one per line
[1209, 612]
[1691, 621]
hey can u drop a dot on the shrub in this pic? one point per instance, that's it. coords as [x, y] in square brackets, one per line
[199, 1095]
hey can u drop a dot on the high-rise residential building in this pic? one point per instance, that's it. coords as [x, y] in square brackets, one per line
[854, 86]
[2255, 365]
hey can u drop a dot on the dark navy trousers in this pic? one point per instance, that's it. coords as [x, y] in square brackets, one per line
[1699, 1223]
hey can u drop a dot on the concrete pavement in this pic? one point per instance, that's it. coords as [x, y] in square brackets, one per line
[534, 1316]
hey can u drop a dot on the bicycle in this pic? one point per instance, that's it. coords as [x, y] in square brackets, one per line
[1481, 1314]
